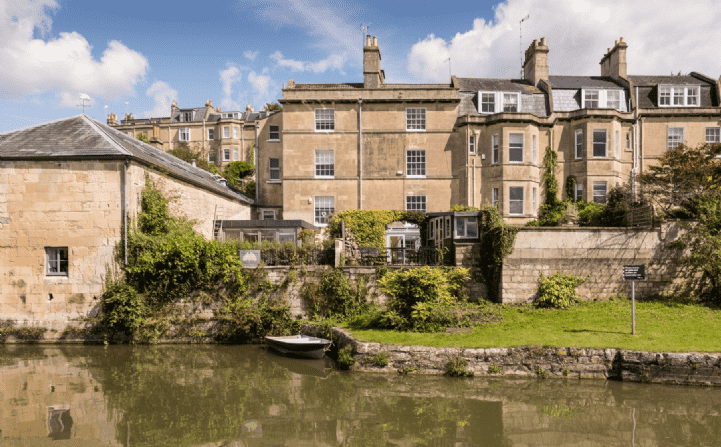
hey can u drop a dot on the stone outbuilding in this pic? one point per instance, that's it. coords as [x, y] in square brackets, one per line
[69, 190]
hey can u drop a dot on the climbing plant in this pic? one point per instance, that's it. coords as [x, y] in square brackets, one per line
[552, 209]
[496, 243]
[369, 226]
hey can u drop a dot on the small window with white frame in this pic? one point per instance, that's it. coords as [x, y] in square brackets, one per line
[416, 163]
[226, 154]
[466, 227]
[600, 141]
[324, 163]
[678, 96]
[494, 102]
[535, 197]
[664, 95]
[628, 141]
[323, 208]
[590, 99]
[324, 120]
[494, 196]
[515, 200]
[613, 99]
[211, 134]
[487, 103]
[416, 203]
[599, 192]
[511, 102]
[416, 119]
[601, 98]
[235, 132]
[515, 148]
[211, 156]
[267, 215]
[184, 134]
[56, 261]
[578, 192]
[618, 142]
[579, 144]
[274, 133]
[472, 144]
[675, 137]
[235, 154]
[274, 169]
[226, 132]
[713, 135]
[494, 150]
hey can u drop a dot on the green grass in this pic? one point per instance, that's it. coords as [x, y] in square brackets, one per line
[660, 326]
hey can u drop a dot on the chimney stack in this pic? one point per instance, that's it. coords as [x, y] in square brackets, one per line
[535, 67]
[373, 76]
[112, 119]
[613, 63]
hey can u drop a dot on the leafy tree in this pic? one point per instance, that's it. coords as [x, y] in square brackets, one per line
[271, 106]
[249, 189]
[186, 153]
[238, 170]
[142, 136]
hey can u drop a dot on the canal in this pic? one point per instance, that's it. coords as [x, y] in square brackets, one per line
[242, 396]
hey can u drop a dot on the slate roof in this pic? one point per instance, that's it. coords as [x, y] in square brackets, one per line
[198, 114]
[649, 81]
[496, 85]
[81, 137]
[577, 82]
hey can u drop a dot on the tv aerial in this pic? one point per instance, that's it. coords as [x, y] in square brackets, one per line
[84, 101]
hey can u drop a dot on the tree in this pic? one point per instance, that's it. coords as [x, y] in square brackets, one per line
[271, 106]
[238, 170]
[186, 153]
[689, 179]
[142, 136]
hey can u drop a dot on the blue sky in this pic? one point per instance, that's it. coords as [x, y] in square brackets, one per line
[148, 53]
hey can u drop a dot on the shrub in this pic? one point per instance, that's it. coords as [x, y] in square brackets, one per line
[380, 360]
[590, 214]
[494, 369]
[238, 170]
[369, 226]
[333, 295]
[345, 357]
[123, 308]
[246, 319]
[456, 367]
[558, 291]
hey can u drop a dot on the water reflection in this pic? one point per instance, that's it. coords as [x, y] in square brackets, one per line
[244, 396]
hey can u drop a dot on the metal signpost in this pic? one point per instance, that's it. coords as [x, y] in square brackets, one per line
[634, 273]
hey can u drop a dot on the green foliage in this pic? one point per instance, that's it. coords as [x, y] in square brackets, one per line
[271, 106]
[558, 291]
[704, 247]
[249, 189]
[552, 210]
[570, 187]
[461, 208]
[142, 136]
[155, 216]
[251, 158]
[369, 226]
[184, 152]
[496, 243]
[345, 358]
[238, 170]
[404, 370]
[590, 214]
[541, 373]
[456, 367]
[334, 295]
[494, 369]
[380, 360]
[123, 308]
[247, 319]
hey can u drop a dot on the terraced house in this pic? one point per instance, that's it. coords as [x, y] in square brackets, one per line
[473, 141]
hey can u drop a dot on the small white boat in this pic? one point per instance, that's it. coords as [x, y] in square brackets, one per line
[300, 345]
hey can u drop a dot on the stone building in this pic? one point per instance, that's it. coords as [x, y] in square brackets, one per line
[68, 191]
[473, 141]
[222, 137]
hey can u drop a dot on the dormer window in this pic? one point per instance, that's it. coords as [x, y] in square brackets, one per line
[494, 102]
[187, 116]
[601, 99]
[678, 96]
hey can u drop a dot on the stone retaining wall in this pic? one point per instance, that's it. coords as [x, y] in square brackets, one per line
[537, 361]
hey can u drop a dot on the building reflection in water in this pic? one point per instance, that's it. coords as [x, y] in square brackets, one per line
[59, 422]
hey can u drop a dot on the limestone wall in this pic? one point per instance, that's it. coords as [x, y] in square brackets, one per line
[600, 252]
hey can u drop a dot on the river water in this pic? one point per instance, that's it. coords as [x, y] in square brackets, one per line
[246, 396]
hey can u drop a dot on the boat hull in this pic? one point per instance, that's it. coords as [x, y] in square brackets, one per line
[309, 347]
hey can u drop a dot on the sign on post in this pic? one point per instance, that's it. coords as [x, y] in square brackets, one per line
[634, 273]
[250, 258]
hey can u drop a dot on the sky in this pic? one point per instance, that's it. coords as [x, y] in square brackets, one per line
[138, 56]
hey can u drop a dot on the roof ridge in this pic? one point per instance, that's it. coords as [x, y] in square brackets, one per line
[95, 125]
[41, 124]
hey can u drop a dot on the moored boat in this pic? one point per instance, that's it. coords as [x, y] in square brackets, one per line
[300, 345]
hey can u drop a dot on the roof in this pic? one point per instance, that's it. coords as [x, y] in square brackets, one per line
[577, 82]
[671, 80]
[496, 85]
[81, 137]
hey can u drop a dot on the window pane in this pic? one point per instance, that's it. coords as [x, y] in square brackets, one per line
[471, 227]
[416, 203]
[488, 102]
[472, 145]
[494, 196]
[515, 200]
[416, 163]
[460, 226]
[226, 132]
[226, 154]
[274, 133]
[713, 134]
[678, 96]
[324, 208]
[274, 164]
[692, 96]
[415, 119]
[324, 119]
[599, 192]
[325, 163]
[286, 237]
[599, 143]
[664, 96]
[579, 192]
[591, 98]
[494, 141]
[579, 144]
[510, 102]
[675, 137]
[515, 148]
[613, 99]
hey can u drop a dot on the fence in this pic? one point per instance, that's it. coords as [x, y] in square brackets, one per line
[640, 216]
[297, 256]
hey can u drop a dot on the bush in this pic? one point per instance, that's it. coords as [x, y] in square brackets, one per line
[380, 360]
[590, 214]
[333, 295]
[123, 308]
[247, 319]
[238, 170]
[345, 357]
[456, 367]
[558, 291]
[369, 226]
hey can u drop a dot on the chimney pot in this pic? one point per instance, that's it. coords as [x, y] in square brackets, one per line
[621, 39]
[608, 50]
[368, 41]
[375, 41]
[543, 41]
[535, 43]
[615, 43]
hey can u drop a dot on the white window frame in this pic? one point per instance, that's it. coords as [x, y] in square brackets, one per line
[494, 196]
[609, 100]
[187, 117]
[235, 154]
[323, 208]
[618, 143]
[55, 263]
[463, 224]
[603, 101]
[274, 170]
[495, 155]
[211, 134]
[416, 203]
[235, 132]
[598, 198]
[324, 120]
[271, 133]
[500, 100]
[184, 134]
[516, 148]
[265, 212]
[511, 201]
[481, 102]
[416, 119]
[472, 144]
[675, 137]
[605, 143]
[416, 163]
[505, 96]
[578, 192]
[713, 135]
[535, 202]
[226, 154]
[579, 144]
[324, 163]
[585, 99]
[535, 149]
[679, 95]
[628, 141]
[226, 132]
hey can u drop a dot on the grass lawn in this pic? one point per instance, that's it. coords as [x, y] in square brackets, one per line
[660, 326]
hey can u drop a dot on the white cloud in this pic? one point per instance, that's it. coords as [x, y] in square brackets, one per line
[263, 89]
[261, 83]
[228, 77]
[250, 54]
[332, 62]
[662, 38]
[163, 95]
[64, 65]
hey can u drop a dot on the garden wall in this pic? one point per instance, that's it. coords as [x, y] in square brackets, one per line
[600, 252]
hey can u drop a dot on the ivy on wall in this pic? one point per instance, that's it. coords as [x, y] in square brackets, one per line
[369, 226]
[497, 239]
